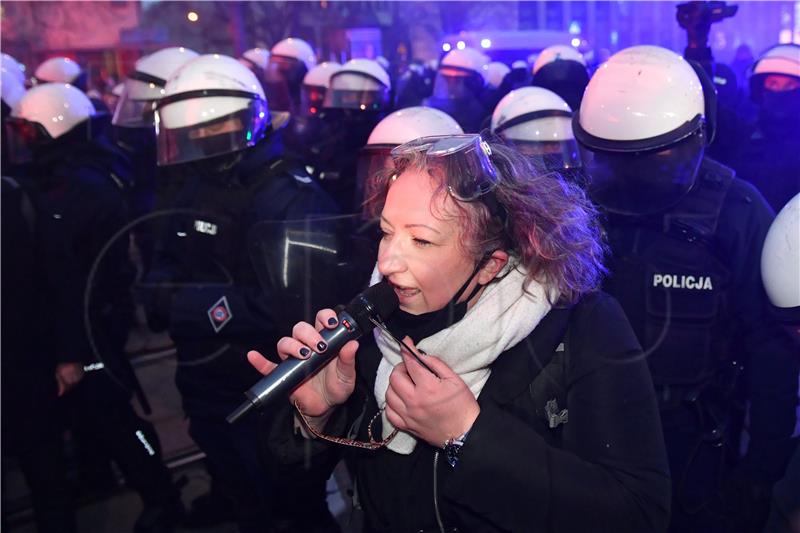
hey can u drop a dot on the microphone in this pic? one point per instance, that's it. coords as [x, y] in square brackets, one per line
[375, 303]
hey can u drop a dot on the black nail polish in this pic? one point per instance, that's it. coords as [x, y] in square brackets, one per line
[332, 321]
[321, 346]
[304, 352]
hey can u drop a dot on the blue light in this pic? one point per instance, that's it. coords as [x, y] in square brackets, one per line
[614, 37]
[249, 135]
[461, 45]
[574, 27]
[446, 47]
[486, 43]
[576, 42]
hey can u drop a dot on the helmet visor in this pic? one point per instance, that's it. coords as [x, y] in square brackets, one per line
[356, 91]
[643, 183]
[135, 107]
[456, 83]
[371, 161]
[23, 136]
[232, 132]
[311, 99]
[550, 155]
[282, 80]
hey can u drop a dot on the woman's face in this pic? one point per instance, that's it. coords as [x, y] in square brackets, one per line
[421, 252]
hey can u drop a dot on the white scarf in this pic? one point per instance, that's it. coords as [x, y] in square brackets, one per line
[504, 315]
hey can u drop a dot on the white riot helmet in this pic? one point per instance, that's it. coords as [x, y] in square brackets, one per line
[61, 70]
[45, 113]
[642, 121]
[399, 128]
[361, 84]
[781, 60]
[539, 123]
[780, 257]
[459, 86]
[289, 61]
[315, 85]
[145, 86]
[557, 52]
[13, 67]
[256, 58]
[213, 105]
[12, 88]
[496, 73]
[562, 69]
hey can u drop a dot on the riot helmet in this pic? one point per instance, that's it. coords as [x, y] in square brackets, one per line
[14, 67]
[562, 69]
[780, 266]
[642, 125]
[256, 59]
[213, 105]
[146, 85]
[775, 87]
[361, 85]
[289, 61]
[780, 257]
[538, 123]
[61, 70]
[496, 73]
[395, 129]
[459, 87]
[315, 85]
[12, 89]
[46, 114]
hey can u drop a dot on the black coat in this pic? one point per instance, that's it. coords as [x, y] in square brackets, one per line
[605, 469]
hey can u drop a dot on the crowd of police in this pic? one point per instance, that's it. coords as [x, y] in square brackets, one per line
[212, 168]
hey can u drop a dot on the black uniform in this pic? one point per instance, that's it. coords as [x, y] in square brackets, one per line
[689, 281]
[80, 186]
[216, 309]
[30, 351]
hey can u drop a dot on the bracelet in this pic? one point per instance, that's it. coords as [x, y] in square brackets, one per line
[452, 448]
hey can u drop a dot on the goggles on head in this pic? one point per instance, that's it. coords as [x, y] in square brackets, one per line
[463, 159]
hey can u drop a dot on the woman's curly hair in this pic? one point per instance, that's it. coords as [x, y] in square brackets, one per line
[550, 225]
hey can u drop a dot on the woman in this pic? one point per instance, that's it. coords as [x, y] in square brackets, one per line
[530, 418]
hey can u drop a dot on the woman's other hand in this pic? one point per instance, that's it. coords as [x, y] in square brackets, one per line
[432, 408]
[329, 387]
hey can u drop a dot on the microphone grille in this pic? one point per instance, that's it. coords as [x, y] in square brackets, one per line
[378, 300]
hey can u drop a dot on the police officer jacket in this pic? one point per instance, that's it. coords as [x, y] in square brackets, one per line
[600, 467]
[689, 281]
[216, 306]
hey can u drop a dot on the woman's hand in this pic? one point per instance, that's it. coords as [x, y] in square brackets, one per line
[329, 387]
[431, 408]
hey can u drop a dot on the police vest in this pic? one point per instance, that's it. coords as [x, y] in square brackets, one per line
[669, 275]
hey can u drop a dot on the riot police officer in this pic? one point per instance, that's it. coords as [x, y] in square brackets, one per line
[769, 154]
[539, 123]
[213, 126]
[357, 99]
[562, 69]
[682, 230]
[459, 88]
[79, 179]
[289, 61]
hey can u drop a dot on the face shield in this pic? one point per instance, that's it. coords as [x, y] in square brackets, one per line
[282, 80]
[311, 99]
[545, 137]
[351, 90]
[457, 84]
[136, 105]
[206, 123]
[646, 182]
[372, 159]
[23, 138]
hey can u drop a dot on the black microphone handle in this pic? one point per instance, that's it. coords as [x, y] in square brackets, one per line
[292, 372]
